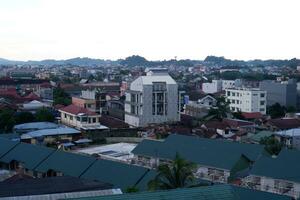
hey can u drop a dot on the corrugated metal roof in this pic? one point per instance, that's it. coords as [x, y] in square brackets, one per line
[286, 166]
[6, 145]
[68, 163]
[36, 125]
[121, 175]
[215, 153]
[216, 192]
[29, 155]
[50, 132]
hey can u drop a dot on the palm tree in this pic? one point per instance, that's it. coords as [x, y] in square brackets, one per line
[178, 174]
[220, 111]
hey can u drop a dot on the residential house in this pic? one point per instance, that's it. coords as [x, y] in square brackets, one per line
[80, 118]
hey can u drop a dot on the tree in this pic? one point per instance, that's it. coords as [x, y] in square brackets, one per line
[132, 189]
[7, 120]
[272, 145]
[24, 117]
[178, 174]
[61, 97]
[276, 111]
[44, 115]
[238, 115]
[220, 111]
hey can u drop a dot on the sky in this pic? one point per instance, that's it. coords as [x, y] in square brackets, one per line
[155, 29]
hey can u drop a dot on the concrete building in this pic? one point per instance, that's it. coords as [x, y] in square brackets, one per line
[80, 118]
[247, 100]
[152, 99]
[92, 99]
[213, 87]
[284, 93]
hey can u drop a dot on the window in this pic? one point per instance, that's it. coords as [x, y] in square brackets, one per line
[262, 103]
[132, 98]
[233, 94]
[94, 120]
[228, 93]
[65, 115]
[71, 117]
[262, 110]
[233, 101]
[262, 95]
[254, 94]
[132, 109]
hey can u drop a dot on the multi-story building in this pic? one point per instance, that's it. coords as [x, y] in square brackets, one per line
[247, 100]
[284, 93]
[92, 99]
[152, 99]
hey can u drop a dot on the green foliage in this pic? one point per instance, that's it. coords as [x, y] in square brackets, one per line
[178, 174]
[132, 189]
[7, 120]
[290, 109]
[220, 111]
[61, 97]
[24, 117]
[276, 111]
[44, 115]
[238, 115]
[272, 145]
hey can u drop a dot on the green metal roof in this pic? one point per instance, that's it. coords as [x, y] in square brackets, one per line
[209, 152]
[216, 192]
[121, 175]
[68, 163]
[30, 155]
[258, 136]
[286, 166]
[6, 145]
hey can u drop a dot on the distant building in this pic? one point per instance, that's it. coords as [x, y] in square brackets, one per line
[92, 99]
[284, 93]
[247, 100]
[213, 87]
[152, 99]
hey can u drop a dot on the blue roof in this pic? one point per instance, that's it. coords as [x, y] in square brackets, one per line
[286, 166]
[121, 175]
[6, 145]
[29, 155]
[215, 192]
[35, 126]
[209, 152]
[50, 132]
[69, 164]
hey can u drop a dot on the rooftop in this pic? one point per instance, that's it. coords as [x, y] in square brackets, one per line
[35, 126]
[285, 166]
[50, 132]
[216, 192]
[75, 110]
[221, 154]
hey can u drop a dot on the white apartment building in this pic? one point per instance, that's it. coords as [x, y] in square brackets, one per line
[152, 99]
[247, 100]
[219, 85]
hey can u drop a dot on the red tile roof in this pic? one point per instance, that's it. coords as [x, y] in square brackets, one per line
[235, 123]
[32, 97]
[285, 123]
[254, 115]
[75, 110]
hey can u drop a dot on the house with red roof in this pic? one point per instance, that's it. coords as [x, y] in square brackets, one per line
[80, 118]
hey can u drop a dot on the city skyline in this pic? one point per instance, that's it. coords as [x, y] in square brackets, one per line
[156, 30]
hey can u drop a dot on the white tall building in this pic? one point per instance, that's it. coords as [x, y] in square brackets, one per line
[247, 100]
[152, 99]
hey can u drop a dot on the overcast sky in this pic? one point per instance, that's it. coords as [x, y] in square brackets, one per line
[155, 29]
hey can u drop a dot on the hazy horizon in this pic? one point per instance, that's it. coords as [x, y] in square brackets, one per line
[156, 30]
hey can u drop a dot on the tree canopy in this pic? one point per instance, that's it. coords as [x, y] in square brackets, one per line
[178, 174]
